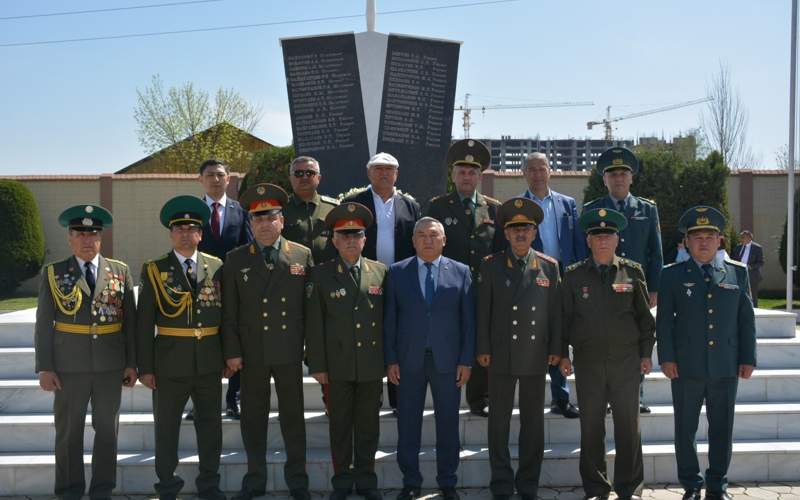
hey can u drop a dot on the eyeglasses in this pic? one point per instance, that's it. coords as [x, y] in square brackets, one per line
[308, 173]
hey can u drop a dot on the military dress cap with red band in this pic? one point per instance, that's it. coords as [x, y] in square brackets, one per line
[349, 217]
[615, 159]
[701, 217]
[520, 211]
[184, 210]
[469, 153]
[264, 199]
[89, 218]
[602, 220]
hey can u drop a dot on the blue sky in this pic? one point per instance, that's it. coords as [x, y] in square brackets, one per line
[68, 108]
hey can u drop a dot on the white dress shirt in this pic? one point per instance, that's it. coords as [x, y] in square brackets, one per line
[384, 218]
[183, 260]
[95, 264]
[220, 209]
[746, 253]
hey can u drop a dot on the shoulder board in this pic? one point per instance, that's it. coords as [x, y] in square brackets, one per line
[440, 197]
[209, 256]
[631, 263]
[490, 200]
[673, 264]
[328, 199]
[57, 262]
[735, 263]
[298, 246]
[545, 257]
[576, 265]
[592, 202]
[492, 256]
[162, 257]
[118, 262]
[648, 200]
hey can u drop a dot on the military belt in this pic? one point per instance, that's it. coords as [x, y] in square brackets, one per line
[198, 333]
[88, 329]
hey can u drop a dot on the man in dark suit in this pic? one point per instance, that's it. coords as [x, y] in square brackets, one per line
[429, 338]
[226, 229]
[706, 338]
[469, 219]
[389, 239]
[559, 237]
[749, 252]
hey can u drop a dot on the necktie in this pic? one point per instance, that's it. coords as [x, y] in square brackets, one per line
[707, 274]
[521, 264]
[621, 206]
[356, 274]
[429, 290]
[190, 275]
[87, 266]
[215, 230]
[267, 251]
[470, 213]
[603, 272]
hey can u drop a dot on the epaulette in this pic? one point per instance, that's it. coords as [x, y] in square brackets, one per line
[328, 199]
[490, 200]
[297, 245]
[672, 264]
[735, 263]
[209, 256]
[576, 265]
[163, 257]
[115, 261]
[648, 200]
[439, 197]
[491, 256]
[631, 263]
[592, 202]
[546, 257]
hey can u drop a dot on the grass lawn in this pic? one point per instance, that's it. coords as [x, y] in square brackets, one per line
[17, 302]
[776, 304]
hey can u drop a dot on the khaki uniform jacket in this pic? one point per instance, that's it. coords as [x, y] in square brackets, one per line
[305, 224]
[464, 245]
[519, 313]
[262, 308]
[173, 356]
[111, 303]
[604, 322]
[344, 323]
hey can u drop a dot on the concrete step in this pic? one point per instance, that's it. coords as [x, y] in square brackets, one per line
[764, 421]
[32, 474]
[765, 386]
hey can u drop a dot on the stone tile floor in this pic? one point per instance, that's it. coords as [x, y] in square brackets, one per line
[775, 490]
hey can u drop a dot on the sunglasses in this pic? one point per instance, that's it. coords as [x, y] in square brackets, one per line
[308, 173]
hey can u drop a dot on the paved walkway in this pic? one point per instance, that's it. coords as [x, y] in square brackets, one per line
[776, 490]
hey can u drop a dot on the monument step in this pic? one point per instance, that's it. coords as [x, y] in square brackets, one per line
[32, 473]
[35, 433]
[765, 386]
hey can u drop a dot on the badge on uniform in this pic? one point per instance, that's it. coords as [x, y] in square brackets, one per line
[585, 292]
[244, 272]
[375, 290]
[297, 269]
[309, 289]
[729, 286]
[622, 287]
[543, 282]
[508, 282]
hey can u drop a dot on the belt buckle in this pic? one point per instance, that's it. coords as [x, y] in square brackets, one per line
[198, 333]
[93, 329]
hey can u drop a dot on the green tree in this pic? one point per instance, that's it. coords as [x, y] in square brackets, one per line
[186, 125]
[23, 254]
[270, 165]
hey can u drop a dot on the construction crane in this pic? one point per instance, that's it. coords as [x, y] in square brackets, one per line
[467, 110]
[607, 121]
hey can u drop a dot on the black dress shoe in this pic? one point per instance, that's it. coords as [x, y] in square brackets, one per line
[300, 494]
[449, 494]
[339, 494]
[691, 495]
[167, 496]
[233, 412]
[481, 412]
[189, 415]
[629, 497]
[409, 493]
[212, 494]
[565, 408]
[371, 494]
[247, 495]
[501, 497]
[643, 408]
[527, 497]
[710, 495]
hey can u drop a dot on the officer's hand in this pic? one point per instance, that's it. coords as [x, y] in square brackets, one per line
[148, 380]
[129, 377]
[566, 367]
[462, 375]
[321, 377]
[653, 299]
[553, 359]
[49, 381]
[484, 360]
[393, 374]
[745, 371]
[646, 365]
[670, 370]
[234, 364]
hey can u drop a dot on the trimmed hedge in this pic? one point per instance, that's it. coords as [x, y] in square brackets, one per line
[22, 244]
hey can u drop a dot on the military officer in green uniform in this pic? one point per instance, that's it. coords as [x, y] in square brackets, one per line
[469, 220]
[607, 322]
[706, 339]
[263, 288]
[640, 241]
[344, 338]
[518, 337]
[306, 210]
[180, 302]
[85, 339]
